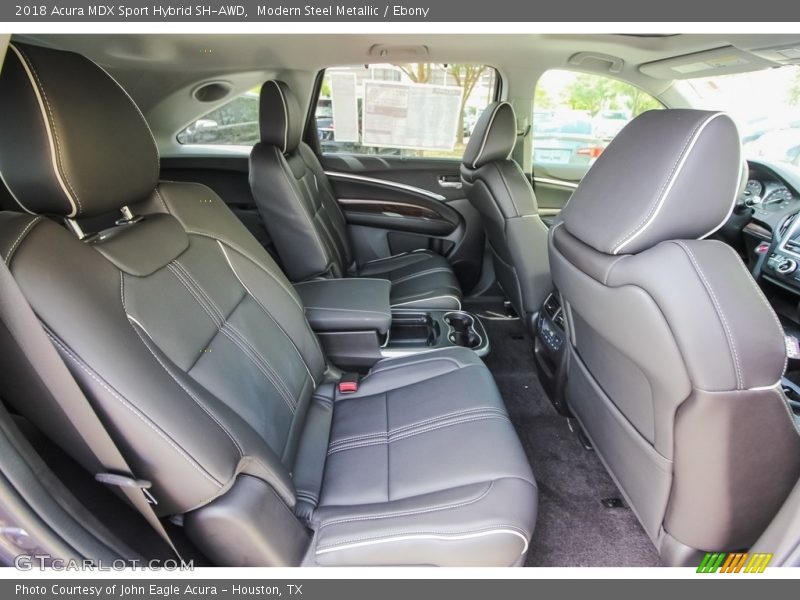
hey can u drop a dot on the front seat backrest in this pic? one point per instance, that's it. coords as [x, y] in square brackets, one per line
[293, 193]
[499, 190]
[676, 358]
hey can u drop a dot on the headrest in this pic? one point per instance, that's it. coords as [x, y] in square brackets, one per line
[72, 142]
[669, 174]
[494, 136]
[279, 117]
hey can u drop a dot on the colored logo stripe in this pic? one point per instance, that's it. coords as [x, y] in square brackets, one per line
[734, 562]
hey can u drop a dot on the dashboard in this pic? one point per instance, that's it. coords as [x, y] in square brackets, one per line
[770, 196]
[768, 216]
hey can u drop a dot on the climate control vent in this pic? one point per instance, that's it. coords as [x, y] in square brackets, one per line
[551, 306]
[787, 223]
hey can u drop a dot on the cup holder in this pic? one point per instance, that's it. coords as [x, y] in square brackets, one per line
[461, 330]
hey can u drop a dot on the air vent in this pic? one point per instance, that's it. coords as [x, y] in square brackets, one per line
[559, 319]
[551, 306]
[787, 223]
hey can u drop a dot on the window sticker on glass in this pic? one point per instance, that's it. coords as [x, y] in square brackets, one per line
[421, 117]
[343, 110]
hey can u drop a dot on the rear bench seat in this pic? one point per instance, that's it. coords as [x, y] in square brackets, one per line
[194, 349]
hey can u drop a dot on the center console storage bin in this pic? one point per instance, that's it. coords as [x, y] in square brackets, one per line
[415, 331]
[351, 318]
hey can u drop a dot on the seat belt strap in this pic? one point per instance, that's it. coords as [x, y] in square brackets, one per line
[31, 338]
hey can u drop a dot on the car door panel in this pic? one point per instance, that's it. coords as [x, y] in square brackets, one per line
[396, 204]
[552, 194]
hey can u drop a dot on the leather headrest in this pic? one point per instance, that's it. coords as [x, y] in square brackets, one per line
[669, 174]
[72, 142]
[494, 136]
[279, 117]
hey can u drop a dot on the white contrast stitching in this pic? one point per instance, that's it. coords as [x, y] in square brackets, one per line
[20, 237]
[401, 535]
[415, 424]
[137, 412]
[408, 513]
[420, 274]
[655, 207]
[269, 314]
[760, 294]
[713, 296]
[191, 394]
[58, 166]
[389, 439]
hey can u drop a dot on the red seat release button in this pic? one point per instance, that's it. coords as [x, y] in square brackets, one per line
[348, 387]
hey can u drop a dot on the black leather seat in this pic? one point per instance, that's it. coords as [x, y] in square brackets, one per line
[300, 211]
[676, 357]
[500, 192]
[195, 352]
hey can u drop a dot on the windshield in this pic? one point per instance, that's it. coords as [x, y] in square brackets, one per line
[764, 104]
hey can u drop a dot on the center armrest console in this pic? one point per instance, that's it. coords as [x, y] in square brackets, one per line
[351, 317]
[347, 304]
[357, 327]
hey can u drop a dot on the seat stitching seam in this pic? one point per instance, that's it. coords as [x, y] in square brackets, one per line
[264, 360]
[390, 534]
[192, 395]
[760, 294]
[414, 433]
[353, 310]
[224, 328]
[443, 417]
[420, 274]
[388, 451]
[720, 314]
[137, 412]
[60, 160]
[302, 207]
[412, 426]
[25, 231]
[319, 216]
[486, 134]
[415, 363]
[282, 392]
[664, 185]
[244, 253]
[408, 513]
[180, 277]
[269, 314]
[169, 370]
[421, 298]
[199, 288]
[785, 404]
[234, 331]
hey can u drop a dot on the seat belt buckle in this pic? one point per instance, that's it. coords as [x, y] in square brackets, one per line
[126, 481]
[348, 384]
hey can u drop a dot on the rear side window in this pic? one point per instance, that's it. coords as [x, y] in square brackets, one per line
[410, 110]
[234, 123]
[576, 115]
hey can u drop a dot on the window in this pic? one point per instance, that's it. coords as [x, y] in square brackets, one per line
[234, 123]
[575, 116]
[410, 110]
[764, 104]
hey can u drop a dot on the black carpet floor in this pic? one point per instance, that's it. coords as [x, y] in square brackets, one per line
[573, 527]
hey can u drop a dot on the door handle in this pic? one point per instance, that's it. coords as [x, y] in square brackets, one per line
[450, 182]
